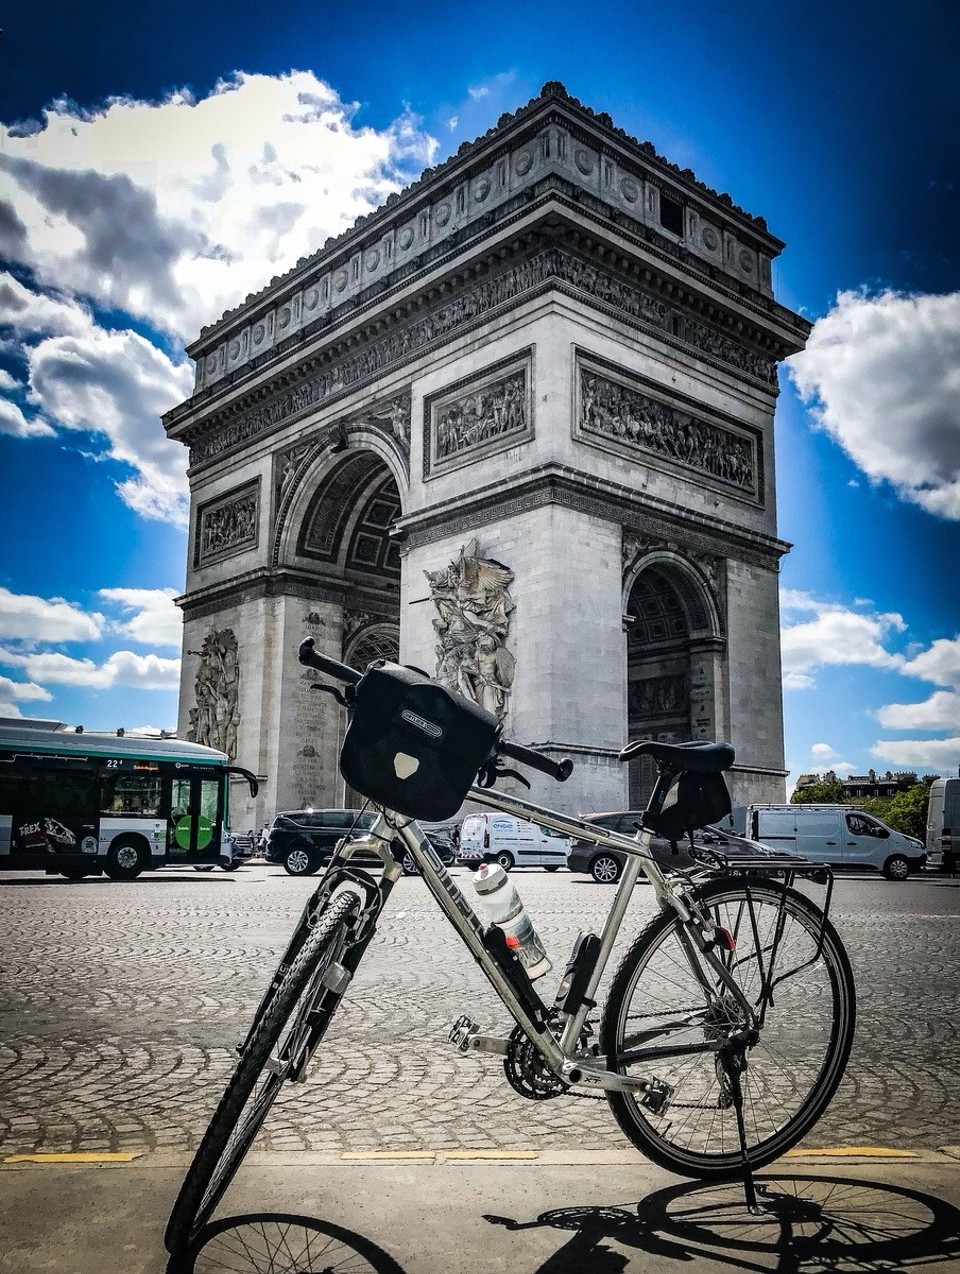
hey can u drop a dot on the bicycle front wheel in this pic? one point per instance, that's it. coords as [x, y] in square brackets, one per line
[290, 1029]
[657, 1004]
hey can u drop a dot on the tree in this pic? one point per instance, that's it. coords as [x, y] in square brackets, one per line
[825, 791]
[904, 811]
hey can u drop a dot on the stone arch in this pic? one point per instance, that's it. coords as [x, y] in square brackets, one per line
[674, 650]
[372, 641]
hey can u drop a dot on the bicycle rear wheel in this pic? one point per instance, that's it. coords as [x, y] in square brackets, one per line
[291, 1027]
[689, 1124]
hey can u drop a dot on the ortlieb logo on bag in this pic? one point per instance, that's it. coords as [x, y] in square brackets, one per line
[413, 745]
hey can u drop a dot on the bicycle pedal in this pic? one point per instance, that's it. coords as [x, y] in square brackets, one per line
[461, 1031]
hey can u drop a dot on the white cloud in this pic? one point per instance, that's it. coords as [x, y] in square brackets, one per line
[883, 374]
[33, 313]
[835, 635]
[116, 385]
[23, 690]
[940, 712]
[919, 754]
[8, 382]
[173, 211]
[27, 618]
[123, 668]
[10, 710]
[155, 621]
[939, 665]
[169, 213]
[13, 421]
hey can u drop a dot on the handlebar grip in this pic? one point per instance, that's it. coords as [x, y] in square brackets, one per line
[559, 770]
[311, 658]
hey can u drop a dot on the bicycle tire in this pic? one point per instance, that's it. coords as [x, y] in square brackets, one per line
[792, 1070]
[243, 1108]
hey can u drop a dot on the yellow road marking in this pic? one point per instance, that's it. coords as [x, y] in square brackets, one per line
[83, 1156]
[866, 1152]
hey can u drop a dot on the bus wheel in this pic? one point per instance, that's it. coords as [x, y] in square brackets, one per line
[126, 859]
[73, 873]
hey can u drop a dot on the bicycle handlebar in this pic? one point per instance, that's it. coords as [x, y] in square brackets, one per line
[559, 770]
[311, 658]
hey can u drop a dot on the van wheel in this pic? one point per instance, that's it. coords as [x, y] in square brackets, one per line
[299, 862]
[410, 868]
[126, 859]
[73, 873]
[896, 868]
[504, 860]
[552, 867]
[605, 869]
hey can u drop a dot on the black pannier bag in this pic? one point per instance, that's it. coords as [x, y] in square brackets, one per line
[695, 800]
[413, 745]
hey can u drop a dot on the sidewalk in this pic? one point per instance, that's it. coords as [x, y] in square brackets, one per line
[446, 1213]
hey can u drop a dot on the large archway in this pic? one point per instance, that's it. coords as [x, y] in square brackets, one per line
[673, 634]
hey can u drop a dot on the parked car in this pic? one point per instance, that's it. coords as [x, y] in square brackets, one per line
[511, 842]
[606, 865]
[304, 840]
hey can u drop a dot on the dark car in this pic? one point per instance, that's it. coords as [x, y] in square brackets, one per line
[304, 840]
[605, 865]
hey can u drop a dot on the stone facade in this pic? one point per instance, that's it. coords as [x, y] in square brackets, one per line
[556, 354]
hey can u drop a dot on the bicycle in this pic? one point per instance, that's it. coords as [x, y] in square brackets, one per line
[726, 1028]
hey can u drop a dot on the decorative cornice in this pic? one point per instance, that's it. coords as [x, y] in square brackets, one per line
[666, 312]
[552, 100]
[640, 512]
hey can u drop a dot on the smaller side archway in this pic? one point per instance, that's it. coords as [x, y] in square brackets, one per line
[675, 659]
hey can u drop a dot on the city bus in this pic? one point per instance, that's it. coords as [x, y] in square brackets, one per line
[76, 803]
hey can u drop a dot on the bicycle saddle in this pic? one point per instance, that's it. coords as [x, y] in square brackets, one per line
[699, 756]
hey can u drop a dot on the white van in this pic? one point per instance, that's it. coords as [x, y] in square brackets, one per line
[511, 842]
[836, 834]
[943, 824]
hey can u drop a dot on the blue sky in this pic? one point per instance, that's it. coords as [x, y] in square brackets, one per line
[159, 162]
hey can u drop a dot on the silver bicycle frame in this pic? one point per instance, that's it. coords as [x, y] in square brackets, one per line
[562, 1054]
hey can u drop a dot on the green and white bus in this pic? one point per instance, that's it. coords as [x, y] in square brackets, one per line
[78, 804]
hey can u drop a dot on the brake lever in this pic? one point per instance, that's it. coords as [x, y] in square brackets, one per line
[335, 691]
[491, 772]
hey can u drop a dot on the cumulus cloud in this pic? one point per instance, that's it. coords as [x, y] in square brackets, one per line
[153, 620]
[22, 690]
[940, 712]
[123, 668]
[919, 754]
[32, 619]
[166, 214]
[173, 211]
[14, 422]
[882, 374]
[115, 385]
[834, 635]
[824, 756]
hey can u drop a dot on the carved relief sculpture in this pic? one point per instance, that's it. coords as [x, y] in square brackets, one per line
[214, 720]
[488, 413]
[227, 525]
[473, 620]
[632, 418]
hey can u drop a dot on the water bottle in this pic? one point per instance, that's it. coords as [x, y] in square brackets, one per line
[503, 906]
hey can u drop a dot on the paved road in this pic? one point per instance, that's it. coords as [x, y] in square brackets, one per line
[119, 1004]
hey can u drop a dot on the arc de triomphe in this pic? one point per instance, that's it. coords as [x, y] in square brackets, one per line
[516, 428]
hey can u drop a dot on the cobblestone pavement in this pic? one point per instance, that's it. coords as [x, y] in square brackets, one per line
[120, 1004]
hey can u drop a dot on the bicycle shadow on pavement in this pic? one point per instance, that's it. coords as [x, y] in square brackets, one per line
[807, 1225]
[281, 1243]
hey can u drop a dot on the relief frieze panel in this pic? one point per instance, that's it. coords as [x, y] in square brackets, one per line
[595, 286]
[479, 416]
[614, 410]
[228, 524]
